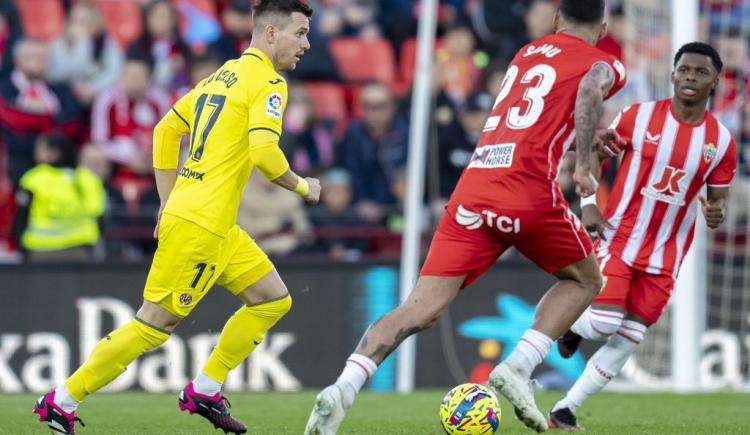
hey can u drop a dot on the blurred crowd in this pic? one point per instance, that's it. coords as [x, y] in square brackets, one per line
[83, 83]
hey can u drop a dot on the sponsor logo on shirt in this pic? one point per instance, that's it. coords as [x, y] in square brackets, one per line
[189, 173]
[493, 156]
[473, 221]
[668, 189]
[652, 138]
[273, 108]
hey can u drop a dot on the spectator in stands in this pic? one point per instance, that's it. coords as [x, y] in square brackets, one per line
[457, 141]
[500, 25]
[201, 66]
[238, 30]
[350, 18]
[538, 19]
[337, 220]
[85, 57]
[10, 33]
[307, 140]
[58, 204]
[29, 105]
[494, 76]
[123, 117]
[459, 65]
[728, 97]
[373, 149]
[274, 217]
[161, 41]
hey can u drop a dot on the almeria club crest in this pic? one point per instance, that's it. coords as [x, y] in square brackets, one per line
[709, 152]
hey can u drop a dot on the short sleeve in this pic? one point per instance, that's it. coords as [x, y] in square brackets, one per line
[624, 124]
[725, 171]
[183, 108]
[621, 78]
[266, 111]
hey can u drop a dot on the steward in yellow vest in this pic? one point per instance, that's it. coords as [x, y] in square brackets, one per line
[58, 203]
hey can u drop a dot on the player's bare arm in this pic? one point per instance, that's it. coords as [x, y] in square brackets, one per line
[715, 207]
[588, 111]
[608, 144]
[291, 181]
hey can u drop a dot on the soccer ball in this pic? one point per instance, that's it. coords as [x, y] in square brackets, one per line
[470, 409]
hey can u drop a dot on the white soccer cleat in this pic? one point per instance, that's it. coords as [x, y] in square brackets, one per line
[327, 414]
[517, 389]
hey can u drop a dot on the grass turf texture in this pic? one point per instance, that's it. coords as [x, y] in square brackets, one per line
[415, 414]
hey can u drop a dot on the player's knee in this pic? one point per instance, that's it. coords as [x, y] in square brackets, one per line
[604, 323]
[632, 331]
[275, 309]
[592, 284]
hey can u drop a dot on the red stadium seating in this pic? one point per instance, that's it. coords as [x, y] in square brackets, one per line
[123, 19]
[362, 60]
[42, 19]
[330, 102]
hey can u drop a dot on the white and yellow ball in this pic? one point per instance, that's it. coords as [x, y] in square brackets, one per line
[470, 409]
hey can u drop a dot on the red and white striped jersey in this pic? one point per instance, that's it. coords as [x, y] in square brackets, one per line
[654, 202]
[532, 126]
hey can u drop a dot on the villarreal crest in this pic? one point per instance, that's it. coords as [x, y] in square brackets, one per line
[709, 152]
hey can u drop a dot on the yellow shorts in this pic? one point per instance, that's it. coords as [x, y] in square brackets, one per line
[191, 259]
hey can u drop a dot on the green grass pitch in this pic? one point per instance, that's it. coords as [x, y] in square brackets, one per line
[414, 414]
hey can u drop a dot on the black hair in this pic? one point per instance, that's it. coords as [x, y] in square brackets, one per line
[285, 7]
[583, 11]
[700, 48]
[65, 146]
[139, 53]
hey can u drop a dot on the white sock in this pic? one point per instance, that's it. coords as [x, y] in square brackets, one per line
[604, 365]
[595, 324]
[64, 400]
[530, 351]
[202, 384]
[357, 371]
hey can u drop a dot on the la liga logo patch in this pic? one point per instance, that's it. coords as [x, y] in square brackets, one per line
[274, 105]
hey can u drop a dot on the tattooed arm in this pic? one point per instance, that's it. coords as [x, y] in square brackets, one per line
[588, 111]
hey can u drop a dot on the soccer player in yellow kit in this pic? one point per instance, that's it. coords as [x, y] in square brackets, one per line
[234, 120]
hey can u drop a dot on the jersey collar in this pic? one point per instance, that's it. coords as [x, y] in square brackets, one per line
[255, 52]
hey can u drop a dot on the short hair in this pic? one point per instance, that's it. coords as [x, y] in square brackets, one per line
[265, 9]
[700, 48]
[65, 146]
[583, 11]
[20, 46]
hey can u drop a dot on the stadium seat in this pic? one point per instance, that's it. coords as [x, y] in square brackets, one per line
[329, 100]
[123, 19]
[42, 19]
[362, 60]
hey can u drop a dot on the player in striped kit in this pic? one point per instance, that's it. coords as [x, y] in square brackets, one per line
[672, 149]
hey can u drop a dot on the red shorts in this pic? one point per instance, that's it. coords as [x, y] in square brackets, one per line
[469, 240]
[640, 293]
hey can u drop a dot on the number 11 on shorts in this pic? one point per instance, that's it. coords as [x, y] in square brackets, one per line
[201, 268]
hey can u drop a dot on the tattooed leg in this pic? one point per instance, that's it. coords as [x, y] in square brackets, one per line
[420, 311]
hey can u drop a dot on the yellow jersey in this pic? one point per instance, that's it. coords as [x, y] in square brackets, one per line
[244, 95]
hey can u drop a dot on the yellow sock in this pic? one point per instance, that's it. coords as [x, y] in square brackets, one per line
[111, 355]
[242, 333]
